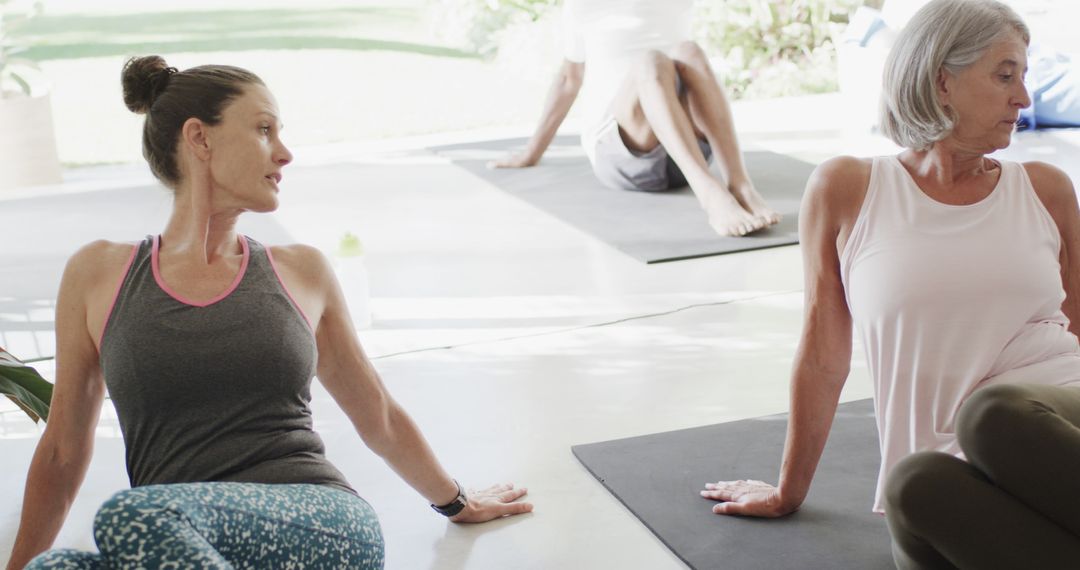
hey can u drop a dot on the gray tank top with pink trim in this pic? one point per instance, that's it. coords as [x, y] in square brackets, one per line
[218, 390]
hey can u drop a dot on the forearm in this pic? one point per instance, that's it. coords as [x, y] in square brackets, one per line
[407, 452]
[51, 486]
[560, 98]
[814, 398]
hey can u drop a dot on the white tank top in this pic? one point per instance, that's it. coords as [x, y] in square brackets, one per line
[610, 36]
[948, 299]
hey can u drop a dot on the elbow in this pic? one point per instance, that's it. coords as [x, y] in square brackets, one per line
[836, 372]
[58, 469]
[58, 452]
[833, 376]
[376, 428]
[570, 80]
[824, 364]
[820, 379]
[569, 89]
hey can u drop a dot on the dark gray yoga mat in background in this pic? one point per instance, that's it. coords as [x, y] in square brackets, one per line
[650, 226]
[658, 478]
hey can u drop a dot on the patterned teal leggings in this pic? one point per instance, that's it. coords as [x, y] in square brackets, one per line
[229, 525]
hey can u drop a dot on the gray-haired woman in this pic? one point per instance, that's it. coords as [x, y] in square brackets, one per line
[961, 274]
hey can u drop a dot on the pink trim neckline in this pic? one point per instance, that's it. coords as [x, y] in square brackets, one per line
[154, 265]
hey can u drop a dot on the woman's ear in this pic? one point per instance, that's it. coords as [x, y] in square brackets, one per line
[195, 135]
[942, 84]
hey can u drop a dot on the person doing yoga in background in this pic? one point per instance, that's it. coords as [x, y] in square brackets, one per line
[654, 113]
[961, 273]
[207, 342]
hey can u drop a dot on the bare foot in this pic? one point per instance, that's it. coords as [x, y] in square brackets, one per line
[752, 202]
[728, 217]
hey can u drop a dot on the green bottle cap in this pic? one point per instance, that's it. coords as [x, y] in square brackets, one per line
[350, 246]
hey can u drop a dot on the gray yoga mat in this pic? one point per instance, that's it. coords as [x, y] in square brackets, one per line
[650, 226]
[658, 478]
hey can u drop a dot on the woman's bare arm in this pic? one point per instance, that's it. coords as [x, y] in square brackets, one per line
[833, 197]
[1056, 192]
[63, 454]
[355, 385]
[561, 96]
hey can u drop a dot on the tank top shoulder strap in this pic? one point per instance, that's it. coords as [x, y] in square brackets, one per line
[256, 255]
[882, 174]
[139, 259]
[1014, 177]
[1022, 196]
[261, 273]
[266, 277]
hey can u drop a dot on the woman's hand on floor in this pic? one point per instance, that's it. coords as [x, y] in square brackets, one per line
[518, 160]
[495, 502]
[747, 498]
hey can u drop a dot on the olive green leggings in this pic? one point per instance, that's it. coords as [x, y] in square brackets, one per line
[1014, 504]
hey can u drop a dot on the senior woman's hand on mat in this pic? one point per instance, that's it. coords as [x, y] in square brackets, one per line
[750, 498]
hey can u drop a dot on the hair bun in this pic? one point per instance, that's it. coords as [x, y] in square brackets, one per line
[143, 79]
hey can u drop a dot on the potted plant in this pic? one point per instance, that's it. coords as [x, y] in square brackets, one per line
[28, 155]
[24, 386]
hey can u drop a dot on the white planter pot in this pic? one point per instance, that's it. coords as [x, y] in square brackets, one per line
[27, 143]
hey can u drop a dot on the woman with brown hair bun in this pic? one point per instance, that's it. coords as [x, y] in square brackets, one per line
[207, 342]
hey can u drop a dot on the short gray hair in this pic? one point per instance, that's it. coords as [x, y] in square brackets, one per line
[944, 34]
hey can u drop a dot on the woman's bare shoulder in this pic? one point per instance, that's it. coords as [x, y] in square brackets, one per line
[1051, 184]
[300, 258]
[308, 274]
[836, 189]
[1055, 190]
[99, 259]
[841, 178]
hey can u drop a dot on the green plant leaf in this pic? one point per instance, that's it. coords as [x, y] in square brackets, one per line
[24, 386]
[23, 84]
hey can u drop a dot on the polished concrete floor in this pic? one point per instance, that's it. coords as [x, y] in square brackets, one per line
[508, 335]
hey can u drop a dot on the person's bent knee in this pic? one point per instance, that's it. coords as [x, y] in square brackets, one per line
[987, 407]
[988, 421]
[914, 486]
[129, 499]
[117, 509]
[689, 52]
[905, 484]
[655, 66]
[120, 514]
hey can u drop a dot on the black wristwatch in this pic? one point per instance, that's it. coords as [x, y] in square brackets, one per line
[453, 507]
